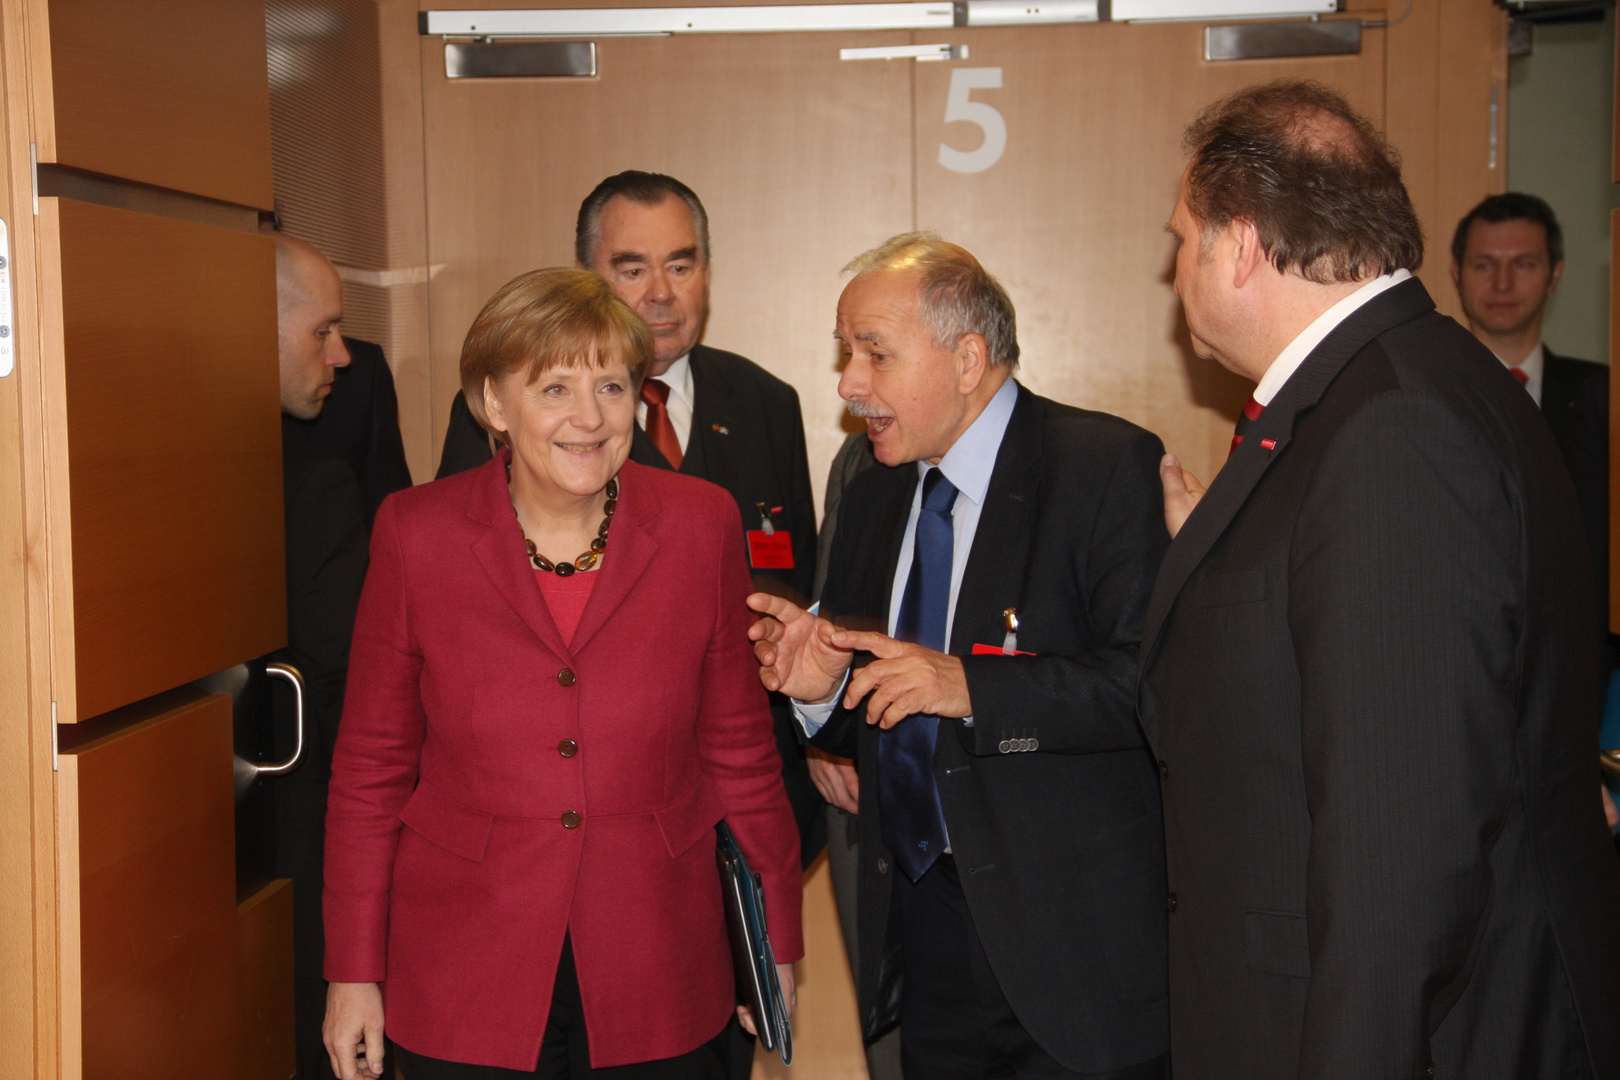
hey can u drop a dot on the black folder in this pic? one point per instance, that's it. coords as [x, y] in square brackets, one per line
[751, 946]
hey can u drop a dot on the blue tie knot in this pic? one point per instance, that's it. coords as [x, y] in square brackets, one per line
[939, 494]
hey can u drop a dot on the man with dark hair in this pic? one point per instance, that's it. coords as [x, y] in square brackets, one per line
[704, 412]
[1369, 665]
[1507, 257]
[1011, 879]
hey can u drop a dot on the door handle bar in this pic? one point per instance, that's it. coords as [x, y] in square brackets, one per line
[1610, 760]
[246, 771]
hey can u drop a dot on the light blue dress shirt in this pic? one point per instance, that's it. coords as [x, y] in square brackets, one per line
[968, 465]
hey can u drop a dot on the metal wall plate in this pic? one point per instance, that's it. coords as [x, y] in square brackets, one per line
[508, 59]
[1254, 41]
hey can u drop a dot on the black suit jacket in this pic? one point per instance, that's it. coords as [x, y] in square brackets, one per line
[326, 567]
[1368, 674]
[1561, 380]
[359, 425]
[1059, 845]
[748, 437]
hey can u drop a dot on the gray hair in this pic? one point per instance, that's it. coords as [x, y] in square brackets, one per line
[648, 189]
[956, 295]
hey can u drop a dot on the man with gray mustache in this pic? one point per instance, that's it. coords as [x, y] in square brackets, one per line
[1011, 885]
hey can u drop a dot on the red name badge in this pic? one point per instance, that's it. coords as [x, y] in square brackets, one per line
[770, 551]
[995, 650]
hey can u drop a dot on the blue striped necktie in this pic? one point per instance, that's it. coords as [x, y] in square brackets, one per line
[913, 823]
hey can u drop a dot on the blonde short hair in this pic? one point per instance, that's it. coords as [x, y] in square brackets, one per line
[558, 317]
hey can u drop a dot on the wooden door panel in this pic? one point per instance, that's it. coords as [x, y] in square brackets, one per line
[154, 872]
[173, 94]
[174, 452]
[1071, 217]
[264, 927]
[801, 160]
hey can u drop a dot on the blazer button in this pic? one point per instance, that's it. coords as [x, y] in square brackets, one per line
[565, 677]
[883, 865]
[1172, 902]
[1164, 770]
[1005, 746]
[568, 748]
[570, 819]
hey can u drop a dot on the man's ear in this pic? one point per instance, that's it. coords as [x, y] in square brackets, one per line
[972, 361]
[1247, 256]
[1557, 275]
[1456, 273]
[492, 406]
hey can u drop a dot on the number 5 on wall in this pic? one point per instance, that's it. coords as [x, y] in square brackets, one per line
[959, 108]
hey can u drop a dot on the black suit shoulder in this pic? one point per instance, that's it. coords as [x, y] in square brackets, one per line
[743, 373]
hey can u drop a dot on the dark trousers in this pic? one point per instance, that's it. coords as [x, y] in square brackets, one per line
[565, 1054]
[955, 1023]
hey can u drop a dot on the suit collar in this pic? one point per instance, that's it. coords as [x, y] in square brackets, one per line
[499, 550]
[1270, 437]
[713, 413]
[1003, 520]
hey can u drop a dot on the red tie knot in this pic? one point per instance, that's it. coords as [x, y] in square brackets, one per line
[654, 391]
[1252, 409]
[1520, 374]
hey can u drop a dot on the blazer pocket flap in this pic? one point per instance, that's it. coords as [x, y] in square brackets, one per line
[685, 823]
[458, 829]
[1277, 943]
[1243, 587]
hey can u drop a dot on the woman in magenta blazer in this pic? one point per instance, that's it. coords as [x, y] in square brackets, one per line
[552, 700]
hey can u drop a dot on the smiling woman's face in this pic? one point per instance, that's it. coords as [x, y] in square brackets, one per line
[569, 429]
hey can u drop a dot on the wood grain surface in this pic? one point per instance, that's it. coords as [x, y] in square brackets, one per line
[174, 452]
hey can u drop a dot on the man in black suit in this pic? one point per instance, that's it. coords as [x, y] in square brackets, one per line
[1011, 899]
[705, 412]
[359, 425]
[326, 566]
[1507, 257]
[1368, 670]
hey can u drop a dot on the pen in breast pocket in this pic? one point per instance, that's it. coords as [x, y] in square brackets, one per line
[1009, 644]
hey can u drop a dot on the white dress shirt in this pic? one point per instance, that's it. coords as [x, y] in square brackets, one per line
[1533, 367]
[968, 465]
[681, 400]
[1290, 358]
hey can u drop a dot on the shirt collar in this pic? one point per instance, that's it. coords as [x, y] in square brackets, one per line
[1290, 358]
[972, 457]
[679, 379]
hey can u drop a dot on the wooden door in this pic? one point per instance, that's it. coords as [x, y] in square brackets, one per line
[1071, 213]
[143, 488]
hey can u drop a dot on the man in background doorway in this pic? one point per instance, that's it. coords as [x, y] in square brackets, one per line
[1507, 257]
[326, 566]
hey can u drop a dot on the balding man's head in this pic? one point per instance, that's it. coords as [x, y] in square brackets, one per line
[309, 307]
[1321, 186]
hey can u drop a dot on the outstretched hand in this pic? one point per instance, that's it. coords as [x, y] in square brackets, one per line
[795, 650]
[1181, 493]
[904, 679]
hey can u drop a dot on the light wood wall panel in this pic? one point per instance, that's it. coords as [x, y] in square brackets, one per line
[802, 161]
[150, 806]
[174, 452]
[172, 94]
[1071, 217]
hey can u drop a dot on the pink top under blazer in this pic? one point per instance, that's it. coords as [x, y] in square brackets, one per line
[465, 836]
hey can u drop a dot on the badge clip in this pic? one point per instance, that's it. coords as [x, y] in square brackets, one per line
[765, 519]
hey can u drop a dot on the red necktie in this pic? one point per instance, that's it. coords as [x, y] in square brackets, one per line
[655, 393]
[1519, 373]
[1251, 412]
